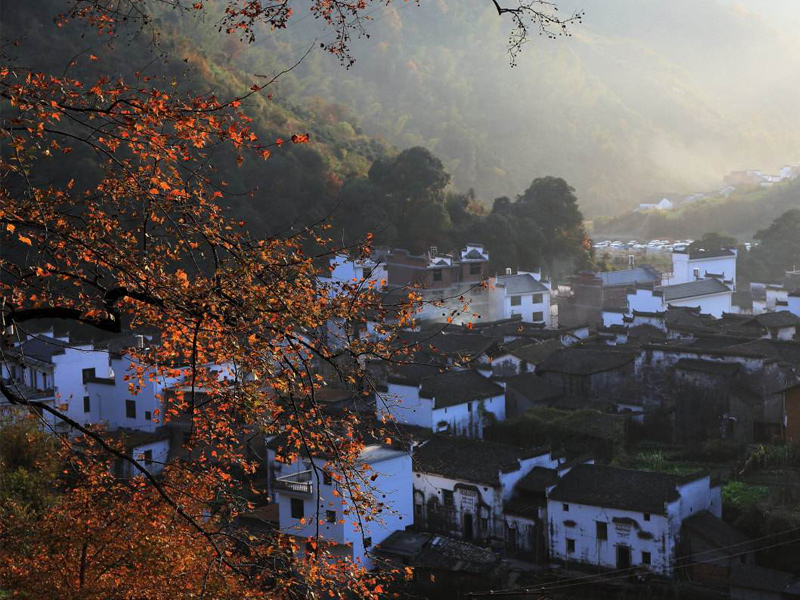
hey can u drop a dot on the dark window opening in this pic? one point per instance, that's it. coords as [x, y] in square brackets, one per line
[537, 316]
[475, 269]
[87, 404]
[367, 542]
[326, 478]
[148, 457]
[330, 516]
[516, 300]
[565, 507]
[298, 508]
[447, 498]
[148, 416]
[87, 374]
[437, 275]
[646, 516]
[570, 545]
[602, 531]
[130, 409]
[645, 558]
[537, 298]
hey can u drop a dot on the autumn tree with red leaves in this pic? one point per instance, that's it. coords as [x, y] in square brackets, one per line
[138, 240]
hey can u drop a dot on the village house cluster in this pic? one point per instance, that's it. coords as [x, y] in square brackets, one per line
[748, 179]
[668, 350]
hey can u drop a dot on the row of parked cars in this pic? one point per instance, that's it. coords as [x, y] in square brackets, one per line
[652, 245]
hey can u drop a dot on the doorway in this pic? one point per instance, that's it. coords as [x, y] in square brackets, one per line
[623, 557]
[468, 527]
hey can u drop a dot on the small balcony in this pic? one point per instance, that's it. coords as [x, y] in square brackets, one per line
[299, 483]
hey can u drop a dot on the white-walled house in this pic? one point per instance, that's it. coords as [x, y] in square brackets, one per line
[305, 496]
[346, 270]
[793, 303]
[711, 296]
[58, 369]
[461, 402]
[691, 266]
[612, 518]
[113, 402]
[149, 449]
[523, 294]
[461, 485]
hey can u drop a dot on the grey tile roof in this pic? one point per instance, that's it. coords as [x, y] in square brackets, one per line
[701, 287]
[781, 318]
[711, 367]
[41, 349]
[585, 361]
[613, 487]
[458, 387]
[438, 553]
[473, 255]
[468, 460]
[630, 276]
[533, 351]
[521, 284]
[538, 480]
[717, 533]
[453, 344]
[533, 387]
[709, 254]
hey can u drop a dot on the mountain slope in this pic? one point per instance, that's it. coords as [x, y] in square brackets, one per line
[646, 96]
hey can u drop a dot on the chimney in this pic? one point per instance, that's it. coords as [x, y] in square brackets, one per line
[696, 274]
[139, 342]
[508, 270]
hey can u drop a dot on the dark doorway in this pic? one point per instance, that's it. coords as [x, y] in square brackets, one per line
[511, 539]
[468, 527]
[623, 557]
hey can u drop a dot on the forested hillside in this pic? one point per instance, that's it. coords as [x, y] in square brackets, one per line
[740, 216]
[356, 181]
[665, 103]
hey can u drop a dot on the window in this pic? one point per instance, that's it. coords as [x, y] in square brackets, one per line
[330, 516]
[602, 530]
[148, 457]
[87, 404]
[475, 269]
[367, 542]
[570, 545]
[326, 478]
[130, 409]
[437, 275]
[148, 416]
[484, 524]
[418, 510]
[87, 374]
[298, 509]
[447, 498]
[645, 558]
[44, 381]
[516, 300]
[469, 406]
[537, 316]
[646, 516]
[537, 298]
[565, 507]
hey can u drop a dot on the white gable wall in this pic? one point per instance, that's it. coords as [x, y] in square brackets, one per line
[711, 304]
[403, 403]
[579, 523]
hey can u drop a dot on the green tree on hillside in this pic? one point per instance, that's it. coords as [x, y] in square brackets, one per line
[779, 248]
